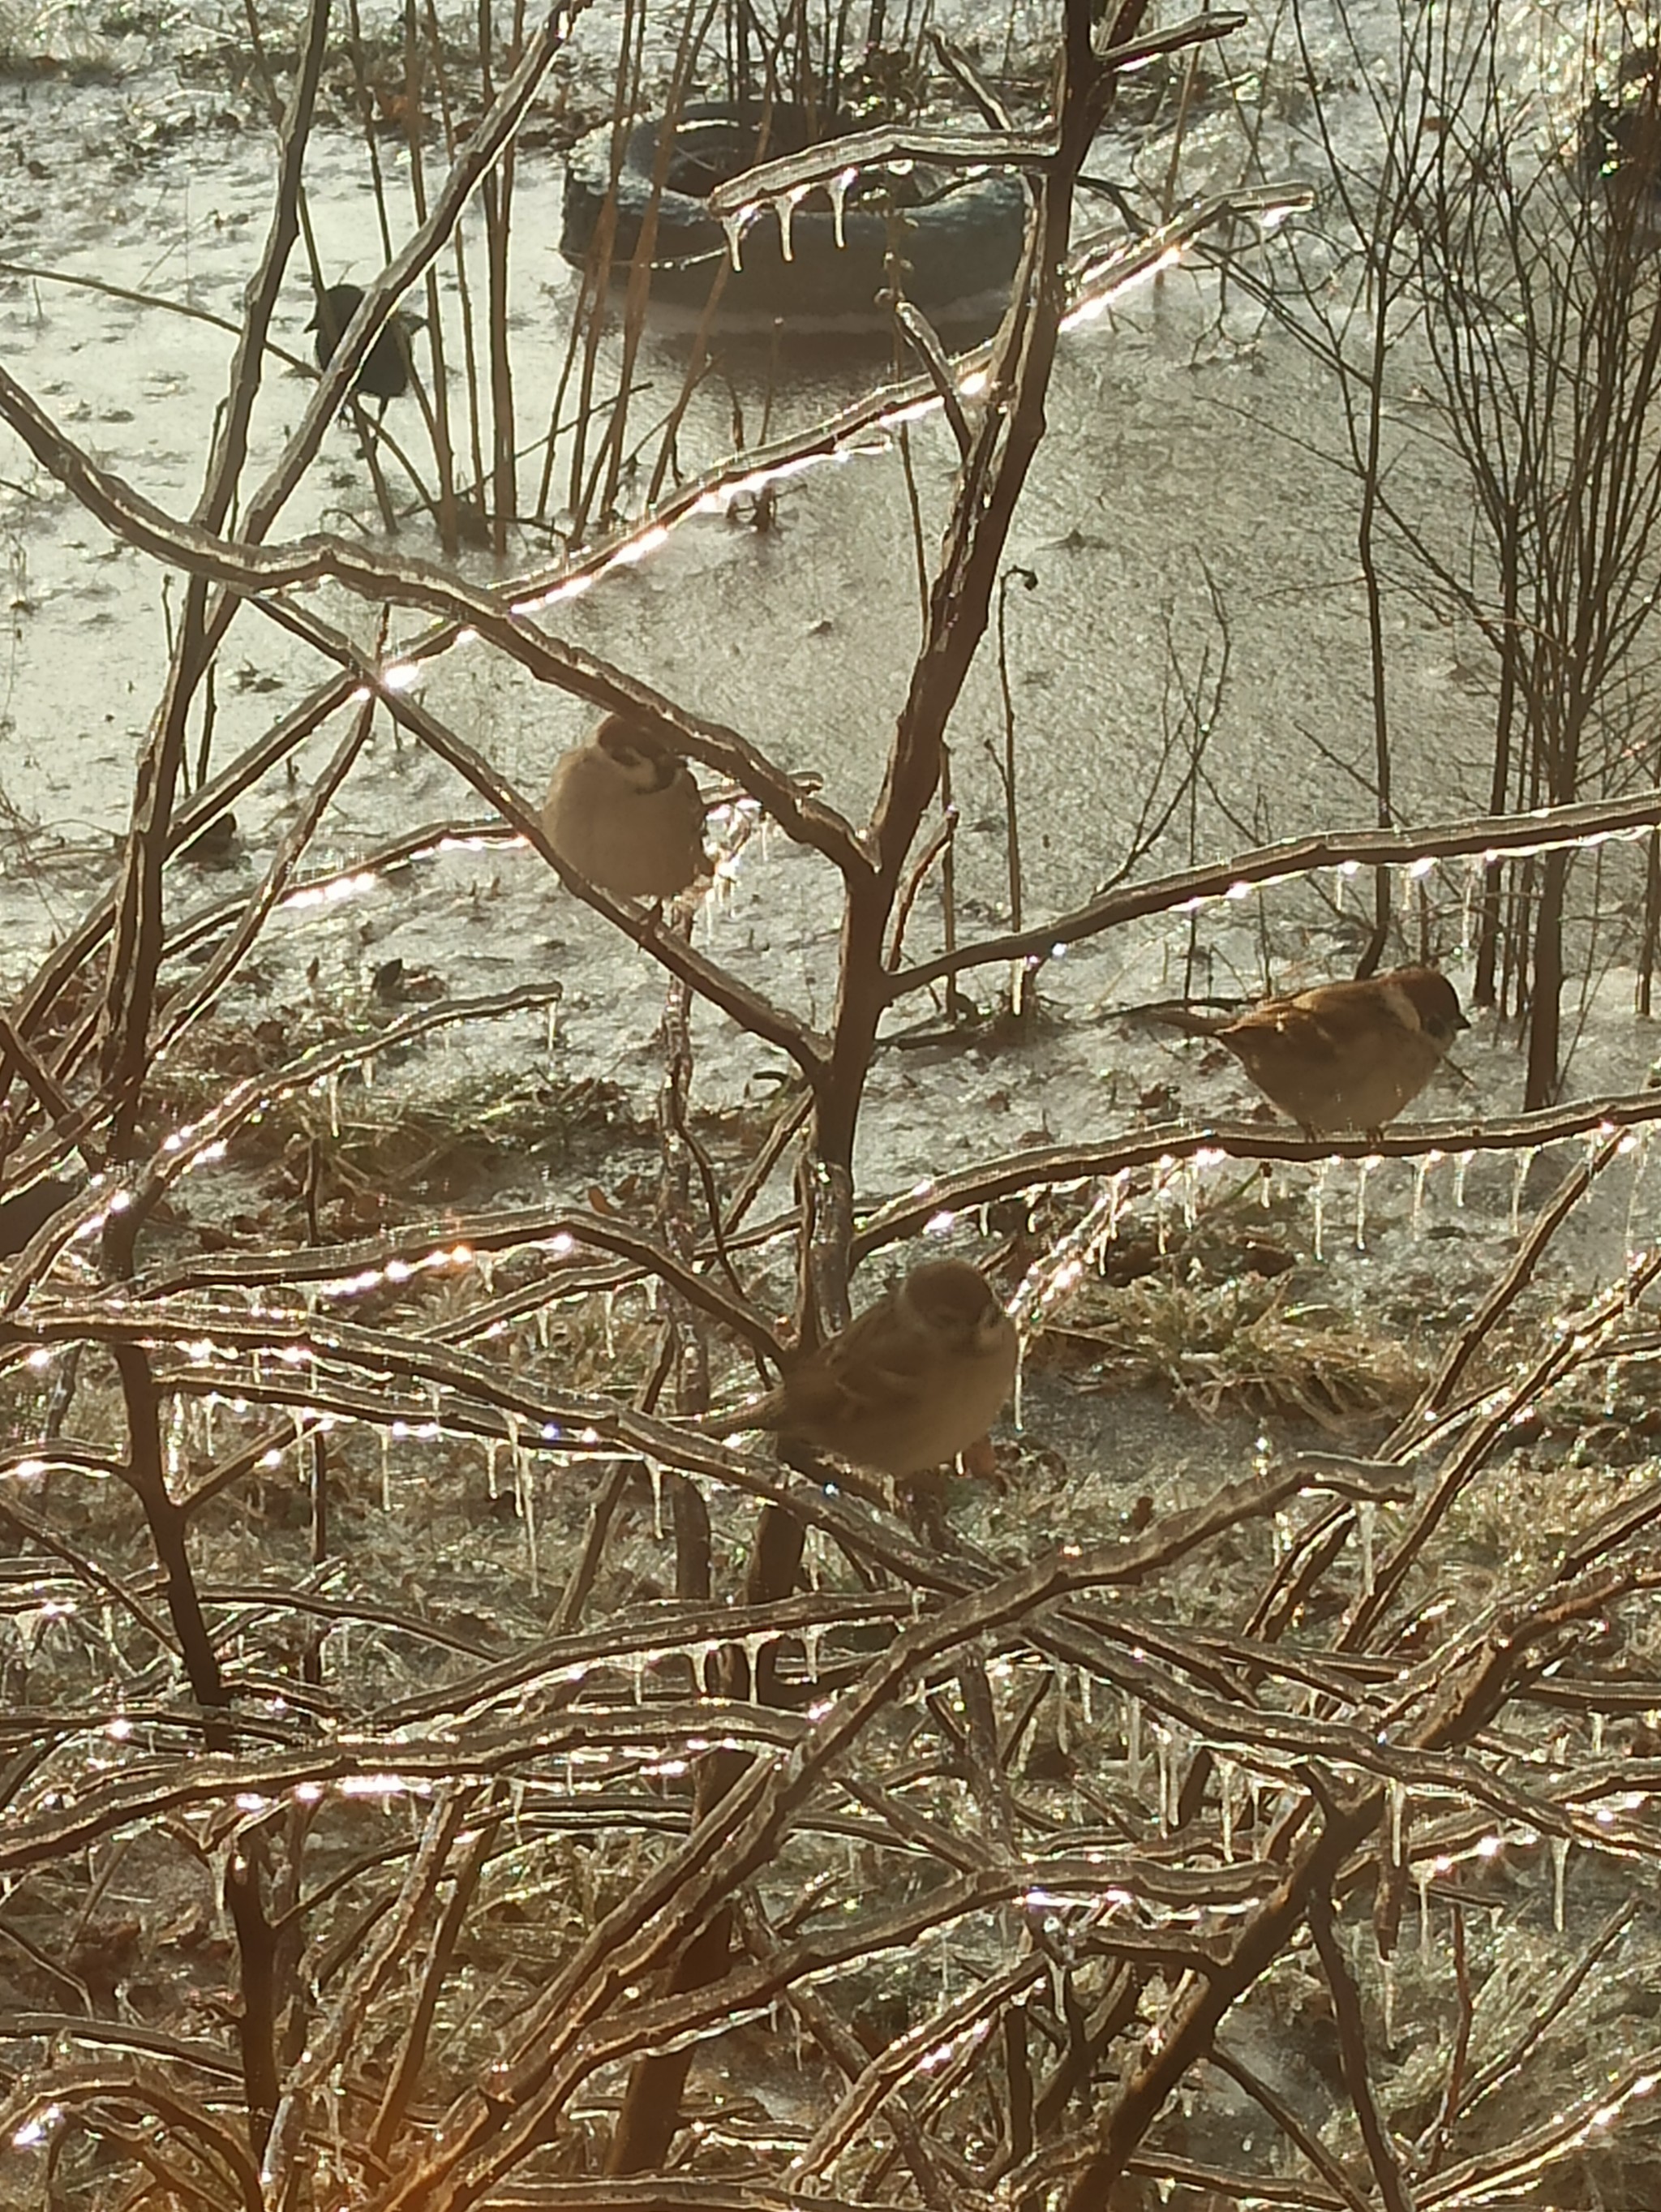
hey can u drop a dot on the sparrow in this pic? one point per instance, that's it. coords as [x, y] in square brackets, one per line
[624, 810]
[385, 370]
[1344, 1055]
[909, 1383]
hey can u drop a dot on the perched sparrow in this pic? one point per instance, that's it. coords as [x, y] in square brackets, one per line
[624, 810]
[1347, 1055]
[908, 1383]
[384, 373]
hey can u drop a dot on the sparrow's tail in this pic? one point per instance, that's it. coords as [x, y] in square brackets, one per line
[1179, 1014]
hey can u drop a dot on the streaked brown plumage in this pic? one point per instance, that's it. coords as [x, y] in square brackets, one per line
[623, 810]
[1349, 1055]
[909, 1383]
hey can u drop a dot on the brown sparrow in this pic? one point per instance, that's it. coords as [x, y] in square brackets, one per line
[909, 1383]
[385, 371]
[624, 810]
[1347, 1055]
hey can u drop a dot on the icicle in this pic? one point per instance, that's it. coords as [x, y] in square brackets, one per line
[1421, 1176]
[1461, 1169]
[1363, 1175]
[735, 225]
[657, 1475]
[837, 190]
[1422, 1875]
[524, 1494]
[1133, 1745]
[1639, 1139]
[1560, 1851]
[784, 208]
[332, 1092]
[1473, 878]
[1225, 1772]
[1116, 1191]
[1318, 1197]
[1397, 1792]
[1387, 1997]
[1519, 1167]
[176, 1449]
[1173, 1777]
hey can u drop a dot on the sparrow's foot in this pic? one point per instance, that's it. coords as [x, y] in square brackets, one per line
[923, 1501]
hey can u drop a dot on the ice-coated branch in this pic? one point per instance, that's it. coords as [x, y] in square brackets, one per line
[1542, 829]
[1049, 1166]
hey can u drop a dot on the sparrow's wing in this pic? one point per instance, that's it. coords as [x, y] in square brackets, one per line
[1357, 1025]
[874, 1366]
[1296, 1022]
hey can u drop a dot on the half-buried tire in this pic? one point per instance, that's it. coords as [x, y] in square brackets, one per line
[957, 240]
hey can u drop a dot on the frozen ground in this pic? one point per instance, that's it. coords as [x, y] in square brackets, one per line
[1182, 462]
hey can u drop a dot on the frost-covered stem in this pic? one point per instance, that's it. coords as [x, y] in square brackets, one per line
[1502, 1294]
[1010, 427]
[1046, 1165]
[497, 194]
[1352, 2048]
[145, 1476]
[1367, 554]
[136, 948]
[412, 2051]
[1546, 988]
[55, 971]
[556, 2042]
[1467, 1704]
[1459, 2060]
[1027, 578]
[90, 2087]
[1298, 856]
[1559, 1360]
[1292, 2127]
[1485, 990]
